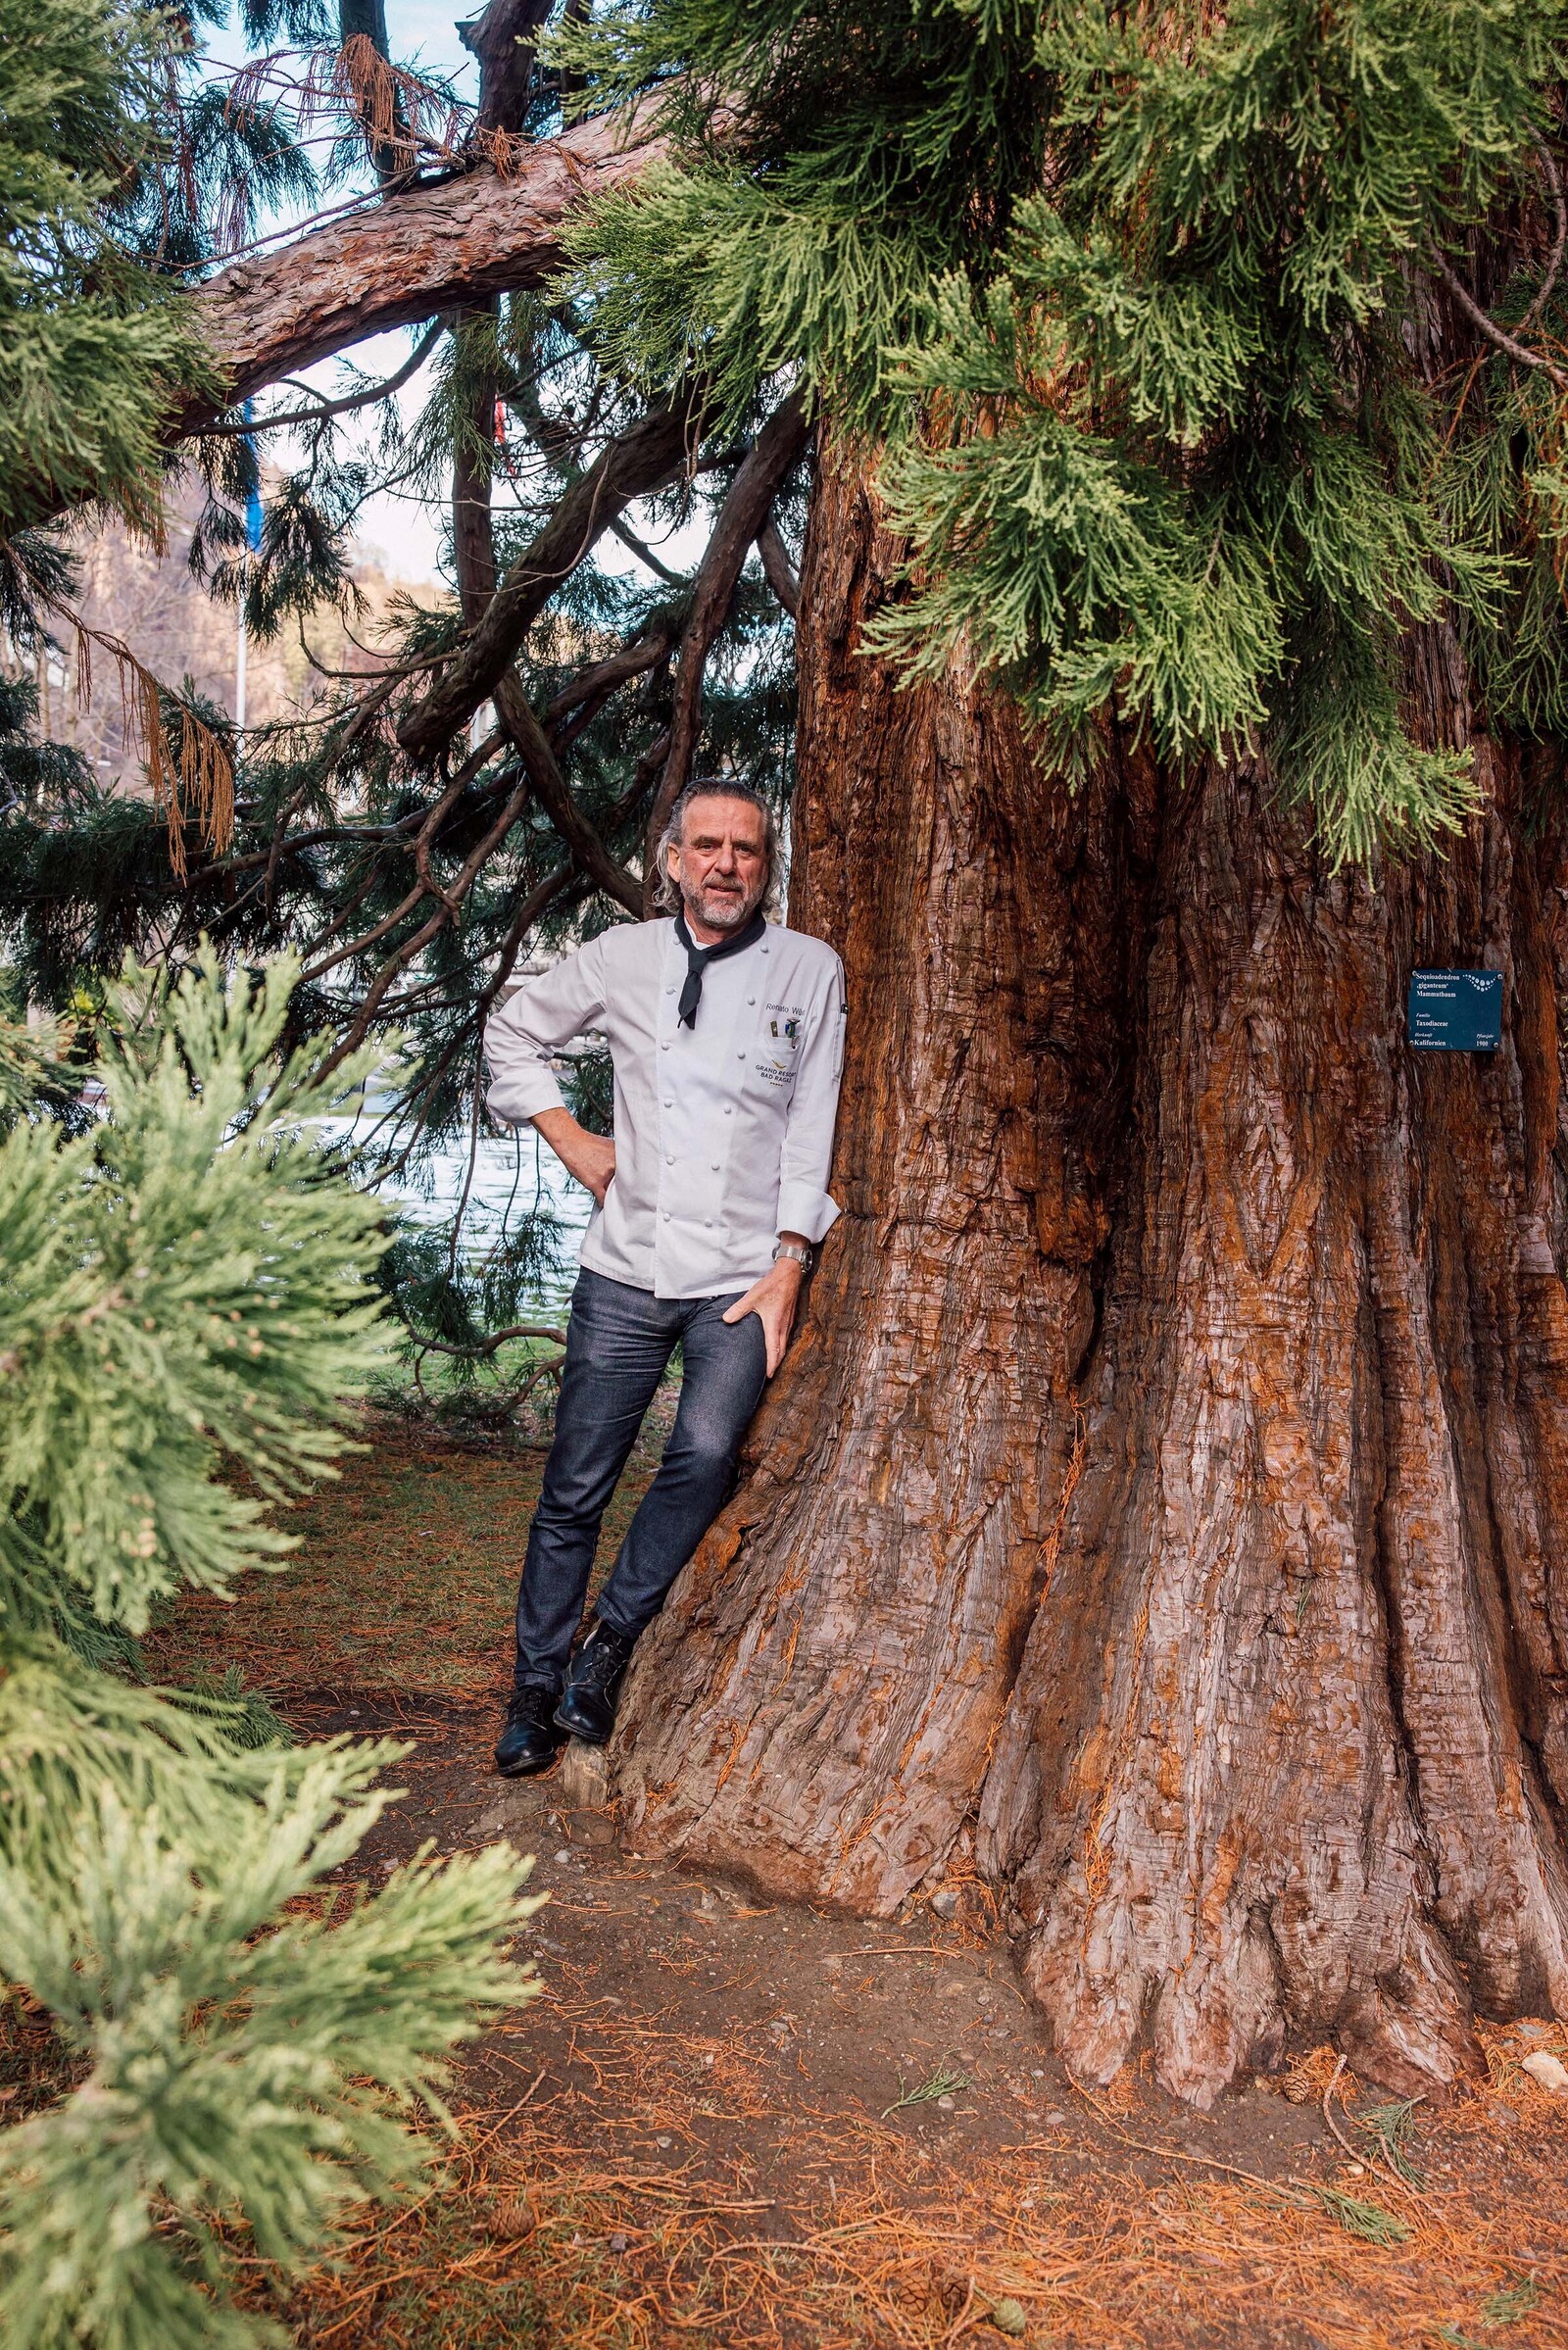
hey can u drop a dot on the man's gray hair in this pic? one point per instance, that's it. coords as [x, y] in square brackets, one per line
[666, 895]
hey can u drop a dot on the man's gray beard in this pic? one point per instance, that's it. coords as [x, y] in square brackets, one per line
[736, 913]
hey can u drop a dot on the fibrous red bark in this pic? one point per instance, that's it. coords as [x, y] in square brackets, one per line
[1161, 1512]
[1285, 1755]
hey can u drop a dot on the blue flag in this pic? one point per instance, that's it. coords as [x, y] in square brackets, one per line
[253, 503]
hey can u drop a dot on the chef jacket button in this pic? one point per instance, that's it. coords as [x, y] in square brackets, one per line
[669, 1158]
[751, 998]
[764, 950]
[707, 1223]
[729, 1109]
[670, 991]
[663, 1044]
[713, 1163]
[669, 1101]
[667, 1215]
[740, 1053]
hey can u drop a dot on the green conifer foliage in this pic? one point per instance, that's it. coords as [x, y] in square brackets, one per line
[184, 1286]
[89, 335]
[1141, 304]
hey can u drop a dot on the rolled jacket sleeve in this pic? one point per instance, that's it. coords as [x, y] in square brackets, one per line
[522, 1040]
[805, 1203]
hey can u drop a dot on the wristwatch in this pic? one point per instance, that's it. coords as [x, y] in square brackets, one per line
[797, 1250]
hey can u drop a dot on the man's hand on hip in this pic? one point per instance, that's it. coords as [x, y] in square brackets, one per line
[773, 1300]
[591, 1157]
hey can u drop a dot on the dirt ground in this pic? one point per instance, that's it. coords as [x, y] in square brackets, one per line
[732, 2121]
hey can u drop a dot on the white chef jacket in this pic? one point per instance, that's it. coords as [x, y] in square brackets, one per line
[724, 1132]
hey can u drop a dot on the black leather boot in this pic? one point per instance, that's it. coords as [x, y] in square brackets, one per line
[529, 1741]
[587, 1708]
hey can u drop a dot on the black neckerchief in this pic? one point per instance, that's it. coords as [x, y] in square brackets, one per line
[698, 959]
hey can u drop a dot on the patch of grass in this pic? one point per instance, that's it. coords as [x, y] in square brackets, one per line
[405, 1576]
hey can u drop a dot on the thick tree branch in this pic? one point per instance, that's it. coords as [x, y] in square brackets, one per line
[634, 463]
[400, 262]
[504, 39]
[645, 555]
[777, 569]
[553, 794]
[741, 518]
[582, 696]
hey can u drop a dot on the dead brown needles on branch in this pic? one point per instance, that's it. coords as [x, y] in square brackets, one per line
[194, 784]
[400, 116]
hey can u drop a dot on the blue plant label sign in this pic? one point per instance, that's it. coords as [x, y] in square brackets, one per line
[1456, 1011]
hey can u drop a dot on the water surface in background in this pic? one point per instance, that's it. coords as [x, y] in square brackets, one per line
[512, 1175]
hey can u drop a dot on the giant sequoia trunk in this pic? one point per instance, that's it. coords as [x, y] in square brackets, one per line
[1161, 1512]
[825, 1685]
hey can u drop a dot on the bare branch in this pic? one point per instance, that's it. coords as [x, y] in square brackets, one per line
[634, 463]
[645, 555]
[778, 568]
[554, 795]
[412, 948]
[740, 518]
[424, 884]
[1559, 210]
[590, 687]
[421, 351]
[1489, 326]
[488, 1346]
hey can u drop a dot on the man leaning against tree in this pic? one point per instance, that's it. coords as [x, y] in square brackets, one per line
[726, 1032]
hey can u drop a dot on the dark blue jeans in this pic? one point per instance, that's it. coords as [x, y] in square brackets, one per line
[618, 1342]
